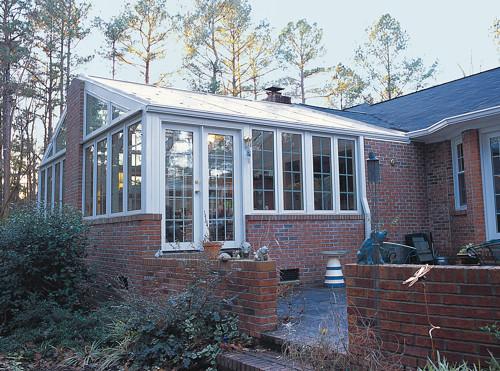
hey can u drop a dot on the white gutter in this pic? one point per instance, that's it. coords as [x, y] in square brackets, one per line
[364, 198]
[454, 120]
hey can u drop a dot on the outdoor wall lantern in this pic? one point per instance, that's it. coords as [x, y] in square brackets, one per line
[373, 164]
[248, 144]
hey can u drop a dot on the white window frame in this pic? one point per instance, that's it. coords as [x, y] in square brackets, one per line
[279, 154]
[109, 116]
[334, 173]
[308, 174]
[108, 135]
[276, 160]
[454, 156]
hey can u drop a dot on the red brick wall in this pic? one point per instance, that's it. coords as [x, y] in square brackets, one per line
[452, 229]
[296, 241]
[249, 286]
[74, 152]
[119, 244]
[402, 194]
[474, 184]
[461, 299]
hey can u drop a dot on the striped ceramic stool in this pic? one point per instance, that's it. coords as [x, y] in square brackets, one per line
[334, 277]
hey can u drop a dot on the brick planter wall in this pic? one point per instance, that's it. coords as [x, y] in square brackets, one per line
[251, 286]
[296, 241]
[461, 299]
[119, 244]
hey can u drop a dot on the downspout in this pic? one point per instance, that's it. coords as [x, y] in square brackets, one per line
[364, 198]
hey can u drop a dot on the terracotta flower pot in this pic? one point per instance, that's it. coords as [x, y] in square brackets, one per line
[212, 249]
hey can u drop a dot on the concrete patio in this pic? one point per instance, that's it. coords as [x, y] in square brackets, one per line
[309, 315]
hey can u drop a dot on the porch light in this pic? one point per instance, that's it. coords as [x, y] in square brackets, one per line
[373, 165]
[248, 144]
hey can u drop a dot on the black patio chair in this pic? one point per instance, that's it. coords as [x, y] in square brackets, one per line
[487, 253]
[423, 245]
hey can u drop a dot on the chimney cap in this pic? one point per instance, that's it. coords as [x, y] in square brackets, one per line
[274, 89]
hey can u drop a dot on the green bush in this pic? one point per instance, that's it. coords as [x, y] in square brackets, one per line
[41, 259]
[443, 365]
[184, 332]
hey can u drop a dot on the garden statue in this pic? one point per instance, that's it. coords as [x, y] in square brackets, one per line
[369, 252]
[262, 254]
[245, 250]
[224, 256]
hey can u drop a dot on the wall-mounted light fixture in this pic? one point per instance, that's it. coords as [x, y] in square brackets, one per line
[248, 144]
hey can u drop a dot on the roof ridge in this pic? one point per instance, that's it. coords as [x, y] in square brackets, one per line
[428, 88]
[203, 93]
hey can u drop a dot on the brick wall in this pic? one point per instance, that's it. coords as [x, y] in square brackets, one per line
[461, 299]
[249, 287]
[296, 241]
[119, 244]
[452, 229]
[402, 195]
[74, 152]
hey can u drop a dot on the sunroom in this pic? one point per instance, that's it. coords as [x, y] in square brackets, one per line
[205, 162]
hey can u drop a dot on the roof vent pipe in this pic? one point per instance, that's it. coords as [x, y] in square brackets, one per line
[274, 95]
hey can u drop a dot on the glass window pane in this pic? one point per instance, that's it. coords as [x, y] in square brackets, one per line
[495, 162]
[62, 180]
[134, 158]
[221, 187]
[102, 156]
[179, 185]
[322, 172]
[57, 185]
[291, 152]
[116, 111]
[96, 113]
[89, 181]
[61, 138]
[347, 175]
[42, 186]
[263, 169]
[117, 172]
[462, 192]
[49, 187]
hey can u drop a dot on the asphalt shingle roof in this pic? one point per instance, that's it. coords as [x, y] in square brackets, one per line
[426, 107]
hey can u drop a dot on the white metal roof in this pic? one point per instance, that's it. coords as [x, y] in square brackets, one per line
[238, 108]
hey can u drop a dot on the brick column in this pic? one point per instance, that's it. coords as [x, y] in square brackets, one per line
[74, 153]
[474, 184]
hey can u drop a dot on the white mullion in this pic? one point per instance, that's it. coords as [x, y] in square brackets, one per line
[94, 180]
[337, 174]
[109, 156]
[125, 168]
[308, 182]
[280, 194]
[333, 169]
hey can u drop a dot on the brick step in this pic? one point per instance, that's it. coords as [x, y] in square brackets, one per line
[256, 361]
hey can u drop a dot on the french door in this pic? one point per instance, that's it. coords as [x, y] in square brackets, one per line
[202, 187]
[491, 167]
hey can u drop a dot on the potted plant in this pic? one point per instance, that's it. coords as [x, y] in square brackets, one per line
[465, 257]
[211, 248]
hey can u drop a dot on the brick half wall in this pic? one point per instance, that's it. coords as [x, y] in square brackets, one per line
[296, 241]
[461, 299]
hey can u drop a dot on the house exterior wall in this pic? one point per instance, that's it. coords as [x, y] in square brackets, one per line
[412, 197]
[453, 228]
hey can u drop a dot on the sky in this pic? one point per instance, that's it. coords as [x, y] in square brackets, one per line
[456, 33]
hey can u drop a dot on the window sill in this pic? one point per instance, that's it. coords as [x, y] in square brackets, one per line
[264, 217]
[122, 219]
[460, 212]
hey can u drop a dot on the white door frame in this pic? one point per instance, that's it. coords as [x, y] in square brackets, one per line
[200, 180]
[488, 186]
